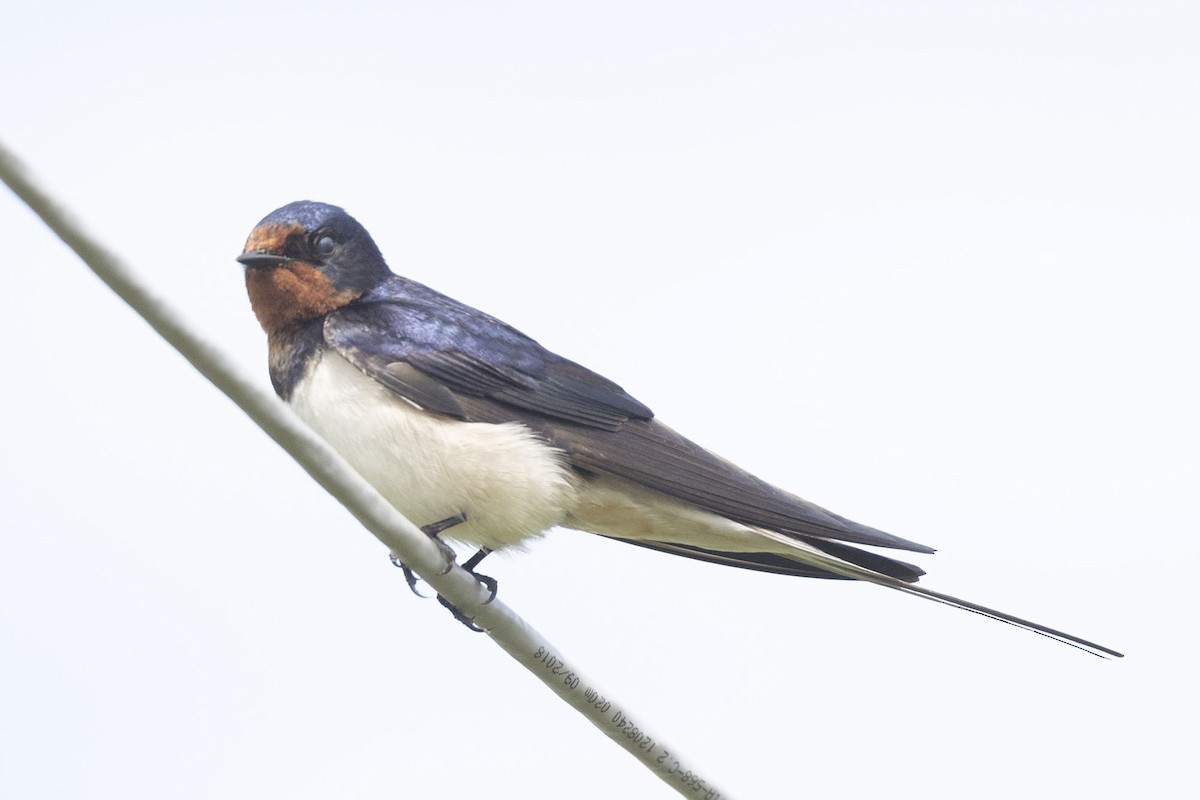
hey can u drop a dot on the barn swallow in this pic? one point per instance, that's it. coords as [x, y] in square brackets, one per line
[463, 422]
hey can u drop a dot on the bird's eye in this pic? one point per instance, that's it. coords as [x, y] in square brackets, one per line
[325, 245]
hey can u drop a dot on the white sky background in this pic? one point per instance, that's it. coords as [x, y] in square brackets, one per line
[934, 269]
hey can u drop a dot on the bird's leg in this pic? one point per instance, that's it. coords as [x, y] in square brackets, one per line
[471, 563]
[433, 530]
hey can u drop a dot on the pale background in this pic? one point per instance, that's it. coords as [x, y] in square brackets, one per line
[935, 269]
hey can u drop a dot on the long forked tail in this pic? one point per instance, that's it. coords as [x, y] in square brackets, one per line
[825, 561]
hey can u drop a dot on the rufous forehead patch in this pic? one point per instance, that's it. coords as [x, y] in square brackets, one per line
[271, 237]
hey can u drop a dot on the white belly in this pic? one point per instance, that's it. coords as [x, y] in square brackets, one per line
[509, 483]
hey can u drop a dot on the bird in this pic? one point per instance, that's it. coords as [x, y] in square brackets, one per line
[477, 433]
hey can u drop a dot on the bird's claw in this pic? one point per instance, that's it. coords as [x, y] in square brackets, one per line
[410, 577]
[490, 584]
[460, 616]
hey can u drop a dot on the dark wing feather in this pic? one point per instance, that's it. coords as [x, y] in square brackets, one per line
[452, 359]
[783, 565]
[650, 454]
[759, 562]
[471, 354]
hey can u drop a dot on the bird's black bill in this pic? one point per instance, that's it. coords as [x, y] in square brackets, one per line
[262, 260]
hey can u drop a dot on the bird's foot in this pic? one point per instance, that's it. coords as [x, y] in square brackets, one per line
[488, 581]
[433, 531]
[457, 613]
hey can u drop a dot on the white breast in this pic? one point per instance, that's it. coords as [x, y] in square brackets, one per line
[510, 484]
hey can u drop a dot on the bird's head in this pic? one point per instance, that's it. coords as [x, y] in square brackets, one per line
[305, 260]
